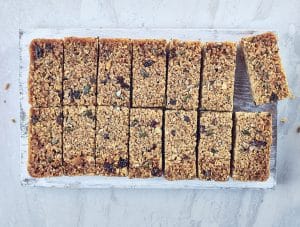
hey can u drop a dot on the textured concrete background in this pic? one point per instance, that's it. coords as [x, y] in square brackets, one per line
[21, 206]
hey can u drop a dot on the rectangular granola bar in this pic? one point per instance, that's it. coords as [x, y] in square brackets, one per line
[218, 76]
[114, 72]
[149, 73]
[183, 74]
[45, 142]
[112, 137]
[253, 139]
[214, 149]
[145, 146]
[80, 71]
[45, 72]
[267, 77]
[180, 144]
[79, 139]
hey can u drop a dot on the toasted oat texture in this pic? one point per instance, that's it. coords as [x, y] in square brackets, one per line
[114, 72]
[112, 136]
[183, 75]
[79, 139]
[80, 71]
[180, 144]
[145, 146]
[218, 76]
[149, 73]
[253, 139]
[45, 72]
[267, 77]
[215, 145]
[45, 142]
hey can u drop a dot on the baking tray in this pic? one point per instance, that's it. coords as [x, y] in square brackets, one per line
[242, 101]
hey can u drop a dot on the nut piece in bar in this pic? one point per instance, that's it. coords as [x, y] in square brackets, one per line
[215, 145]
[112, 135]
[80, 71]
[114, 72]
[149, 73]
[79, 140]
[267, 77]
[45, 72]
[183, 74]
[180, 144]
[253, 140]
[145, 146]
[45, 142]
[218, 76]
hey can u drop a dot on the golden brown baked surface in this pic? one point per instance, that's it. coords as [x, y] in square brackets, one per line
[266, 73]
[214, 149]
[145, 146]
[183, 75]
[180, 144]
[45, 72]
[253, 140]
[218, 76]
[149, 73]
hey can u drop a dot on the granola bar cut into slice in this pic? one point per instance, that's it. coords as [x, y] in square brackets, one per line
[180, 144]
[79, 139]
[183, 74]
[45, 142]
[145, 146]
[114, 72]
[267, 77]
[45, 72]
[80, 71]
[149, 73]
[253, 140]
[112, 137]
[218, 76]
[214, 151]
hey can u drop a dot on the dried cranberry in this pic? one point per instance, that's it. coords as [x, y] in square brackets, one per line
[34, 119]
[38, 52]
[148, 63]
[186, 119]
[153, 123]
[122, 163]
[108, 167]
[60, 119]
[155, 172]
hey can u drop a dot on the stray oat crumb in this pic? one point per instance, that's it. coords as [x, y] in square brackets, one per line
[13, 120]
[283, 120]
[7, 86]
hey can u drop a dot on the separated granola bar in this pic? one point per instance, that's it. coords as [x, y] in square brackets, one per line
[80, 71]
[183, 75]
[112, 137]
[45, 72]
[145, 146]
[214, 149]
[149, 73]
[267, 77]
[79, 139]
[114, 72]
[45, 142]
[180, 144]
[253, 139]
[218, 76]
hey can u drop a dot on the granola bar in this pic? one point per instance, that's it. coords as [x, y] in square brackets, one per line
[45, 72]
[80, 71]
[145, 146]
[79, 139]
[114, 72]
[218, 76]
[214, 149]
[253, 139]
[267, 77]
[112, 136]
[149, 73]
[45, 142]
[183, 75]
[180, 144]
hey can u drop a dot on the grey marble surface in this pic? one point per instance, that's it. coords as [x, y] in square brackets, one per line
[21, 206]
